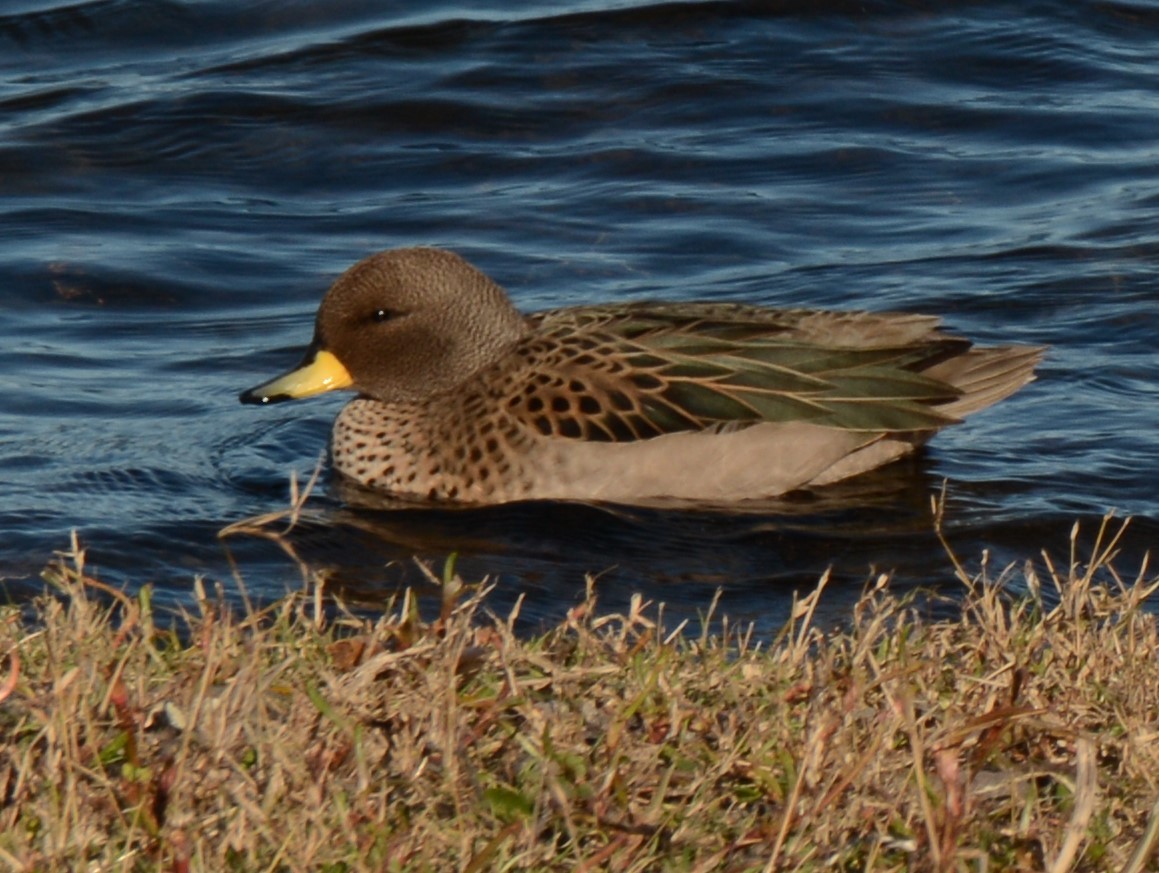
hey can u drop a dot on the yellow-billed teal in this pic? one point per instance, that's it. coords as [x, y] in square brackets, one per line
[462, 398]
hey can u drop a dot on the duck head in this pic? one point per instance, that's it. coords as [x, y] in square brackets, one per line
[400, 326]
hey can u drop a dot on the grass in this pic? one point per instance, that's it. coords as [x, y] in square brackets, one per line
[1019, 735]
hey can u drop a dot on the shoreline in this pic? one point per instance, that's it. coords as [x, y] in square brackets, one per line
[1018, 735]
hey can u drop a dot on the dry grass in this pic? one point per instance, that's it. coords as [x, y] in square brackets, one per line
[1021, 735]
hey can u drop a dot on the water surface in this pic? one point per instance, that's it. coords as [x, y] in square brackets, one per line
[179, 182]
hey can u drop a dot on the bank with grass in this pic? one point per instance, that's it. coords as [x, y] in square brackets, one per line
[1019, 734]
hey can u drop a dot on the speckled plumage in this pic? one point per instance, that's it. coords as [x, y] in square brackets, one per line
[463, 399]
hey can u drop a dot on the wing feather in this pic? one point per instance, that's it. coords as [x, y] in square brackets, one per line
[637, 371]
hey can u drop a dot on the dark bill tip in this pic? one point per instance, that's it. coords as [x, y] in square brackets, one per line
[258, 397]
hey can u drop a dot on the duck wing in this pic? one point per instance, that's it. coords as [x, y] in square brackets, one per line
[636, 371]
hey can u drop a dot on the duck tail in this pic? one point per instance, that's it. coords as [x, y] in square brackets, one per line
[986, 375]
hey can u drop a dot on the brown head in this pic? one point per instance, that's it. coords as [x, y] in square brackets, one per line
[400, 326]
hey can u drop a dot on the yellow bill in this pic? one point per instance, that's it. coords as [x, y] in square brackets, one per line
[318, 373]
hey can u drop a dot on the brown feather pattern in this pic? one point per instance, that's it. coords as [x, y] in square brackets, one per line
[636, 371]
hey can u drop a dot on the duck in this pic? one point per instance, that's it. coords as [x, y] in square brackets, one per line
[460, 398]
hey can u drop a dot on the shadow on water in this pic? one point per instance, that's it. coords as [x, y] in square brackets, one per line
[756, 555]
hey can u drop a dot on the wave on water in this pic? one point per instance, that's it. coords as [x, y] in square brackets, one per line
[181, 180]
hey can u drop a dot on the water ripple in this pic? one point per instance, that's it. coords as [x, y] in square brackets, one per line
[183, 179]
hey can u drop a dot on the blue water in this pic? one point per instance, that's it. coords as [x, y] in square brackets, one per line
[179, 182]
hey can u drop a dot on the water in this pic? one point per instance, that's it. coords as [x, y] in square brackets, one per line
[179, 182]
